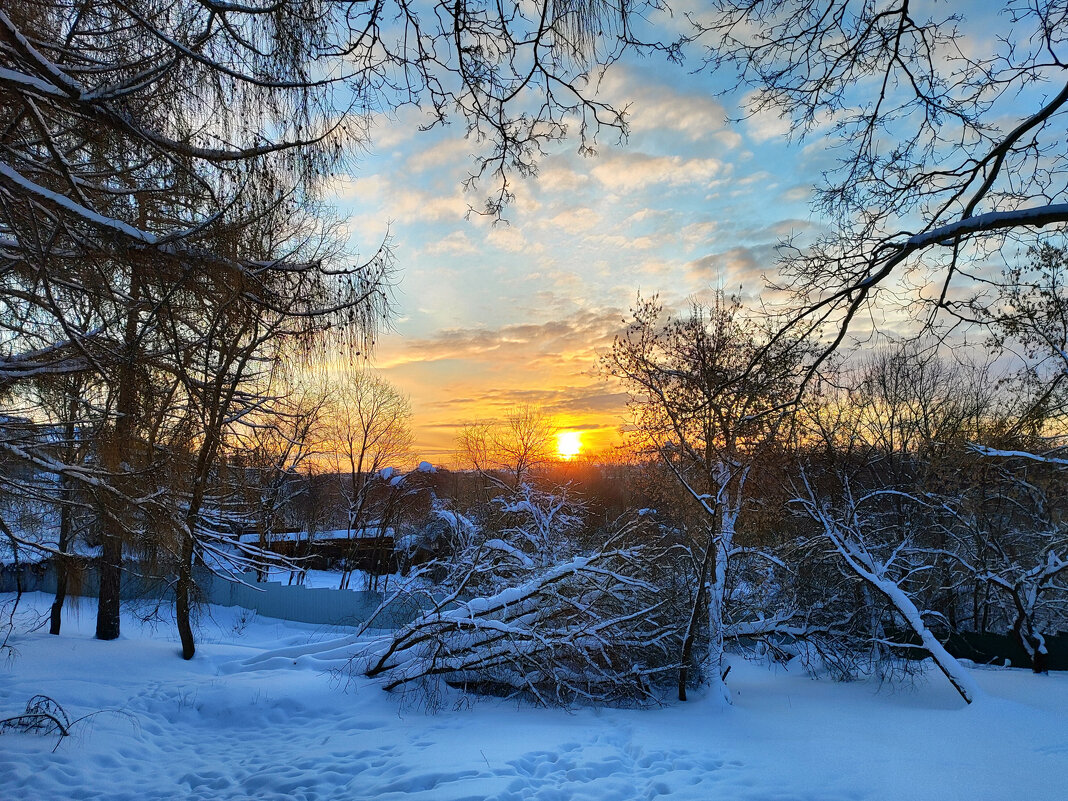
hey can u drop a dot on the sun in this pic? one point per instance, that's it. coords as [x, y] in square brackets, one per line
[568, 444]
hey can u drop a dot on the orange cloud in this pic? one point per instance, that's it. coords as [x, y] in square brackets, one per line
[461, 375]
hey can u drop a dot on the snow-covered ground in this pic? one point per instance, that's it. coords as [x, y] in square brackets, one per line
[259, 715]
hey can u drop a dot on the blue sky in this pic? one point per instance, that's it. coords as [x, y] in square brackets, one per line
[498, 314]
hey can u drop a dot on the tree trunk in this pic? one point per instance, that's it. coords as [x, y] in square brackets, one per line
[56, 617]
[716, 590]
[695, 616]
[1033, 643]
[65, 525]
[1040, 661]
[958, 676]
[879, 650]
[110, 570]
[183, 590]
[117, 460]
[62, 572]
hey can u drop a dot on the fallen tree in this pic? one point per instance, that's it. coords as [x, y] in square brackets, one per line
[595, 628]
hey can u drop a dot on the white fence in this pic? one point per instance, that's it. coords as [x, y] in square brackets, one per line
[270, 599]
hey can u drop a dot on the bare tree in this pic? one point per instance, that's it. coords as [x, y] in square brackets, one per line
[367, 430]
[1023, 563]
[870, 543]
[942, 537]
[508, 450]
[699, 403]
[596, 627]
[949, 140]
[63, 399]
[269, 449]
[139, 138]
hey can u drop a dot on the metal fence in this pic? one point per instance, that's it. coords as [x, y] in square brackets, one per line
[271, 599]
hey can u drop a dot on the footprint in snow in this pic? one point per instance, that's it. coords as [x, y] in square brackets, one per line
[613, 769]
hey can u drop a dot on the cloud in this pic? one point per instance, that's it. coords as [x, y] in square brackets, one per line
[654, 106]
[657, 216]
[765, 125]
[396, 128]
[447, 155]
[577, 220]
[698, 233]
[796, 194]
[575, 337]
[495, 402]
[464, 374]
[407, 205]
[509, 239]
[559, 176]
[455, 243]
[743, 266]
[501, 314]
[351, 188]
[633, 172]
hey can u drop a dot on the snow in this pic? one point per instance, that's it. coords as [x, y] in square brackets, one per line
[1039, 216]
[10, 176]
[259, 713]
[454, 519]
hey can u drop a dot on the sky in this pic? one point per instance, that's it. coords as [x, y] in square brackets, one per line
[495, 315]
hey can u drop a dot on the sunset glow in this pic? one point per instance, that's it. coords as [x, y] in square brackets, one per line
[568, 444]
[498, 315]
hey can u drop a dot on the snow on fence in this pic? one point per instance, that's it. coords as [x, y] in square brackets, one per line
[307, 605]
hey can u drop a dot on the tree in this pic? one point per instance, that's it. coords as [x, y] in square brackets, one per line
[141, 140]
[367, 431]
[269, 449]
[1030, 325]
[508, 451]
[949, 141]
[595, 627]
[1012, 543]
[543, 524]
[113, 192]
[707, 408]
[62, 398]
[892, 479]
[869, 542]
[231, 354]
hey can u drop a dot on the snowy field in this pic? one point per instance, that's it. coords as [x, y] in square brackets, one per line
[258, 714]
